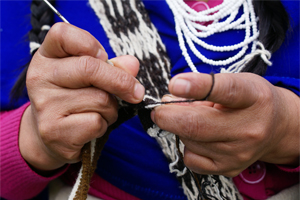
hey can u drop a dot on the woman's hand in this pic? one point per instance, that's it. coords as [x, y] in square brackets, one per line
[244, 119]
[70, 87]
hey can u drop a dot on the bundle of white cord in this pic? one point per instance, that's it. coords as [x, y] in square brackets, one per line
[190, 30]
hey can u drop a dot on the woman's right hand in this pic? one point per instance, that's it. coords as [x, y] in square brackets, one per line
[72, 92]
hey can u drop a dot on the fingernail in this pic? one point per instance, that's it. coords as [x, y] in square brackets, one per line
[139, 91]
[152, 116]
[102, 55]
[167, 97]
[181, 86]
[109, 62]
[170, 97]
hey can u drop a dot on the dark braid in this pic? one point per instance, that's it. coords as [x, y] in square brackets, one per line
[273, 25]
[41, 15]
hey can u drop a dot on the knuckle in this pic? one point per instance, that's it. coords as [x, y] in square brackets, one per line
[230, 93]
[57, 30]
[97, 125]
[70, 156]
[243, 157]
[265, 95]
[256, 134]
[191, 126]
[88, 67]
[40, 103]
[108, 105]
[89, 42]
[46, 133]
[124, 81]
[33, 76]
[104, 99]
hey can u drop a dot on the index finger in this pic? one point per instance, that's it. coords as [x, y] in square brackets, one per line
[65, 40]
[86, 71]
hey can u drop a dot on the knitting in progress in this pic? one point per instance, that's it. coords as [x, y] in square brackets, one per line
[131, 32]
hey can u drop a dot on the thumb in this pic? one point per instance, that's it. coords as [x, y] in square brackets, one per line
[128, 63]
[65, 40]
[231, 90]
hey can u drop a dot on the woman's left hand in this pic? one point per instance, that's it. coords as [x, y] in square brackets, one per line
[244, 119]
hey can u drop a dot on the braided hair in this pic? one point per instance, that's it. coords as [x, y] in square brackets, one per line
[273, 25]
[42, 18]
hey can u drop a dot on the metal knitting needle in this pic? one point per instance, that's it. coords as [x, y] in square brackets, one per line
[64, 20]
[56, 12]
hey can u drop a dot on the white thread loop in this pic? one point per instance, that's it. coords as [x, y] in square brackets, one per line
[239, 66]
[173, 165]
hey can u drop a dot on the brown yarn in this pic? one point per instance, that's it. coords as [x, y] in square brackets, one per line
[88, 166]
[81, 193]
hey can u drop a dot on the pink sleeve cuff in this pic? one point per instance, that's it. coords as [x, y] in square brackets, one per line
[18, 180]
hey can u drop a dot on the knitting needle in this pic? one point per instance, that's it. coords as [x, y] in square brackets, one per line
[54, 10]
[64, 20]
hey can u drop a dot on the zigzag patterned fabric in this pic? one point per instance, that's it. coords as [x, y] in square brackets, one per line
[130, 32]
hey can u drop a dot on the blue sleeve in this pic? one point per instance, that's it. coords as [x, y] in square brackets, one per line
[14, 47]
[289, 83]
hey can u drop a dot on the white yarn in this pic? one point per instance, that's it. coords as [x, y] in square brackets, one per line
[239, 66]
[173, 165]
[132, 43]
[77, 183]
[191, 32]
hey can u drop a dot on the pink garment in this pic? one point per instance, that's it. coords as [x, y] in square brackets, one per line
[262, 180]
[199, 5]
[19, 181]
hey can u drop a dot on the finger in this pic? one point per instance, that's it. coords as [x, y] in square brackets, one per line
[184, 102]
[86, 100]
[201, 164]
[84, 127]
[69, 135]
[86, 71]
[128, 63]
[81, 128]
[201, 123]
[230, 90]
[215, 150]
[65, 40]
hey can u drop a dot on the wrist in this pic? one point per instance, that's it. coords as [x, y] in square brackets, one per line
[33, 151]
[287, 150]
